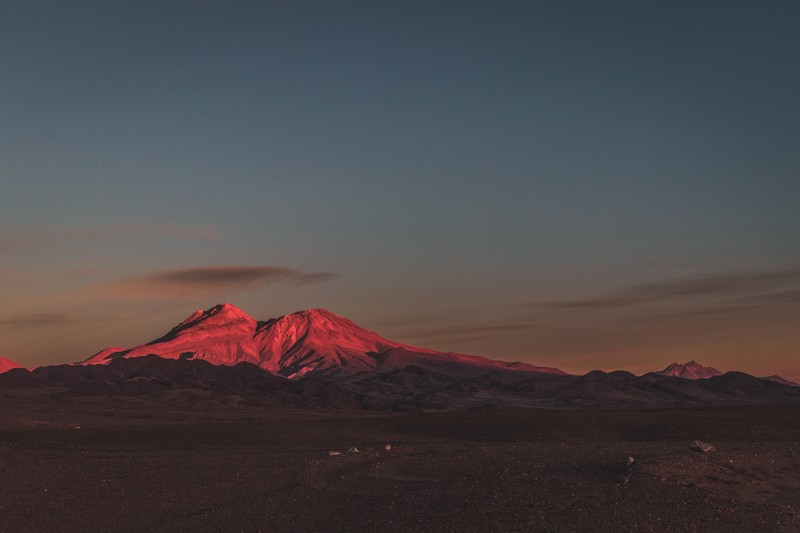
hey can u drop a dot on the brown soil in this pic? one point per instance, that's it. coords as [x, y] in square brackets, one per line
[130, 469]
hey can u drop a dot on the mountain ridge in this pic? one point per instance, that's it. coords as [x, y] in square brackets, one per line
[313, 341]
[157, 381]
[780, 379]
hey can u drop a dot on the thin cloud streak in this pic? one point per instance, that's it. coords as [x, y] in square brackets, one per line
[38, 237]
[312, 278]
[34, 320]
[462, 333]
[469, 330]
[743, 288]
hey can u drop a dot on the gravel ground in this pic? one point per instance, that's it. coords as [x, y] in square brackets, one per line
[253, 470]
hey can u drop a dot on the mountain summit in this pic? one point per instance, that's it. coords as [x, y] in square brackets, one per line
[219, 314]
[690, 370]
[314, 341]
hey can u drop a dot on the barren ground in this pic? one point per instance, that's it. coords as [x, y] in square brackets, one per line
[138, 468]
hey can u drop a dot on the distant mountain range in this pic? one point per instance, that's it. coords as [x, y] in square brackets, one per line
[317, 359]
[152, 382]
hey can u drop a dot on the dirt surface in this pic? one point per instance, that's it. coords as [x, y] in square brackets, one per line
[107, 468]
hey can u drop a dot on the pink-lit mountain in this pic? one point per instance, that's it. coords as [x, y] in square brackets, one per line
[690, 370]
[304, 343]
[8, 364]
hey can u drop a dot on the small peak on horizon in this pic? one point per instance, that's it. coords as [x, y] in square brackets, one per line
[690, 370]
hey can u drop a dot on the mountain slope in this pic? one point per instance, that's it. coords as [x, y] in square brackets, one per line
[8, 364]
[690, 370]
[222, 335]
[315, 341]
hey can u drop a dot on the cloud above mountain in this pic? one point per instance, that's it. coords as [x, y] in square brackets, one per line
[210, 280]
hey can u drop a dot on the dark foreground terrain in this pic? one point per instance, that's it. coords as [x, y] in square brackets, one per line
[116, 466]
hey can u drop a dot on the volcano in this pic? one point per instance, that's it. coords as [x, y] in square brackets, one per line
[8, 364]
[690, 370]
[309, 342]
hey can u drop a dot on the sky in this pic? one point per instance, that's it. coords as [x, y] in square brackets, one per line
[578, 184]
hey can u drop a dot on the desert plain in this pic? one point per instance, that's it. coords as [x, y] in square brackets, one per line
[125, 464]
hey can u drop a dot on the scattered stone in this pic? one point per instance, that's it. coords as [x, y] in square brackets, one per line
[331, 454]
[631, 460]
[77, 427]
[703, 447]
[388, 447]
[352, 449]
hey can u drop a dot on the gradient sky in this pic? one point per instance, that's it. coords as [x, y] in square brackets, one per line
[584, 185]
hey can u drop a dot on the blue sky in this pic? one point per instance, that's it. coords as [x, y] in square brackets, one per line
[442, 172]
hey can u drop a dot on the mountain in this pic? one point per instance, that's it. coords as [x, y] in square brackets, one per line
[315, 341]
[778, 379]
[8, 364]
[690, 370]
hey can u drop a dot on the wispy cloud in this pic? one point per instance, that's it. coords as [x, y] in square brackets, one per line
[468, 333]
[311, 278]
[742, 288]
[36, 237]
[208, 281]
[472, 330]
[36, 320]
[198, 281]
